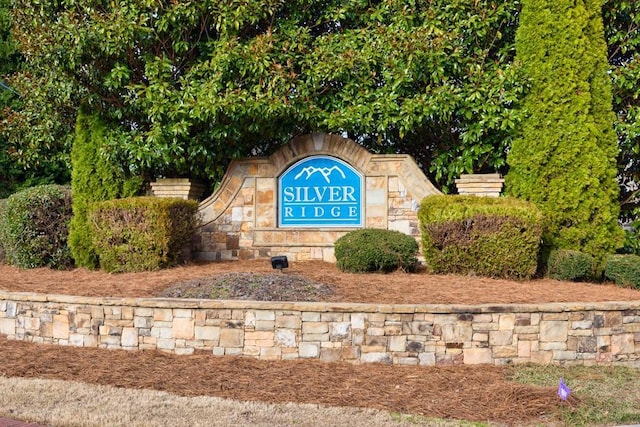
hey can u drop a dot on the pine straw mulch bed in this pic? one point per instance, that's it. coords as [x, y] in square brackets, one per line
[394, 288]
[478, 393]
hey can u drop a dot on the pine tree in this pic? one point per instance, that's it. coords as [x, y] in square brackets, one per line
[565, 159]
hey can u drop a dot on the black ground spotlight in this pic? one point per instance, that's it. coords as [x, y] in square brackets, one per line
[279, 262]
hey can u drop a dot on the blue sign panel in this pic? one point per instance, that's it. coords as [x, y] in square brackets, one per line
[320, 191]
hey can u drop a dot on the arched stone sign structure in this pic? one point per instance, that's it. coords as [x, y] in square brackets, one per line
[301, 199]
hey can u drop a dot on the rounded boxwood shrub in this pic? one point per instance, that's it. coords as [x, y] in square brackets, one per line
[35, 228]
[565, 264]
[372, 249]
[623, 270]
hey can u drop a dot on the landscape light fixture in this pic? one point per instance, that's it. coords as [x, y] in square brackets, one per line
[279, 262]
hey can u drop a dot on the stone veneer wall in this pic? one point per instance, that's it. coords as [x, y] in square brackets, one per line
[556, 333]
[240, 222]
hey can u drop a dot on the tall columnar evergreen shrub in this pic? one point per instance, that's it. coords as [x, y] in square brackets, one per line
[565, 159]
[94, 178]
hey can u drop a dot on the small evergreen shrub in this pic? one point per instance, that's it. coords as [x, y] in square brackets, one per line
[487, 236]
[623, 270]
[141, 233]
[35, 227]
[371, 249]
[564, 264]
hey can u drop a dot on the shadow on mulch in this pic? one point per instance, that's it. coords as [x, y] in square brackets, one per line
[474, 393]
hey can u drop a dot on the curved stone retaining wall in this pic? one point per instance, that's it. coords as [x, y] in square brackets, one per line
[558, 333]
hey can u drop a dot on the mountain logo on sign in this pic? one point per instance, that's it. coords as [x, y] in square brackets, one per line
[325, 172]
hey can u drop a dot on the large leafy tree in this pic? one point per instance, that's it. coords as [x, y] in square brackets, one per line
[565, 159]
[37, 161]
[8, 51]
[185, 86]
[8, 64]
[622, 27]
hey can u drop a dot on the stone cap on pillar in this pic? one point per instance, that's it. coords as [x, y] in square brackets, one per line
[487, 185]
[182, 188]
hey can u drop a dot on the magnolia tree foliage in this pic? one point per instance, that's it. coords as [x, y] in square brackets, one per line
[8, 49]
[47, 162]
[565, 161]
[185, 86]
[622, 31]
[189, 85]
[7, 65]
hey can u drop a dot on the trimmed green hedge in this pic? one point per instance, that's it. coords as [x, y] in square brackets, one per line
[35, 227]
[487, 236]
[565, 264]
[624, 270]
[142, 233]
[372, 249]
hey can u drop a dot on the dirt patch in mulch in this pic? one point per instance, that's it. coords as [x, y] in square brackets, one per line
[251, 286]
[478, 393]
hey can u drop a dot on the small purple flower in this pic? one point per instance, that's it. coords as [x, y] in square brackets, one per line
[563, 390]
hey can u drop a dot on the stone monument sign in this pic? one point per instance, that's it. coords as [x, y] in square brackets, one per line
[300, 200]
